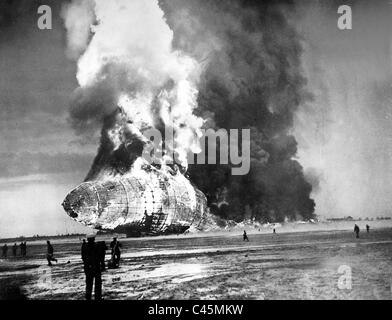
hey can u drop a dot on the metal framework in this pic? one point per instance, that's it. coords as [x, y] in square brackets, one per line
[152, 204]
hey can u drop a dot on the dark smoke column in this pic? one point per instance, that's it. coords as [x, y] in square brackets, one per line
[252, 79]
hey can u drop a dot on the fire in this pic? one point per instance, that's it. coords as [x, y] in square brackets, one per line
[129, 60]
[146, 200]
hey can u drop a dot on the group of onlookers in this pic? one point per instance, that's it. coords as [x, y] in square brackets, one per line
[22, 246]
[93, 256]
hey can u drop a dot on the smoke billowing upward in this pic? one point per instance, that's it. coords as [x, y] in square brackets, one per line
[188, 64]
[131, 80]
[252, 79]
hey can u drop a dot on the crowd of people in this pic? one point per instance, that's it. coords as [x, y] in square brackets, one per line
[22, 246]
[93, 257]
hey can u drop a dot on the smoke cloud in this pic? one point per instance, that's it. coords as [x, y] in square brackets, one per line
[252, 79]
[131, 80]
[190, 65]
[78, 17]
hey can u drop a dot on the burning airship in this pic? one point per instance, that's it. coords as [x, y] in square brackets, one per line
[147, 201]
[131, 84]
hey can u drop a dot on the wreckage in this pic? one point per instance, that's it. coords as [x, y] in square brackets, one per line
[148, 201]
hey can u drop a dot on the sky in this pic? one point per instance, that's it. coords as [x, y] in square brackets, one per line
[41, 157]
[344, 135]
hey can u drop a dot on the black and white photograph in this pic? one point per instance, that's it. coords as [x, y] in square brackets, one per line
[195, 150]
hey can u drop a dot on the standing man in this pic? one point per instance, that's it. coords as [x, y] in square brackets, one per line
[116, 252]
[245, 236]
[50, 254]
[356, 230]
[21, 246]
[5, 250]
[367, 228]
[92, 267]
[14, 249]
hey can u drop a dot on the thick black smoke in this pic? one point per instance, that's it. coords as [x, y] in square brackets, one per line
[115, 160]
[252, 79]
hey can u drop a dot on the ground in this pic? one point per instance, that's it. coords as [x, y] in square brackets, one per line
[292, 265]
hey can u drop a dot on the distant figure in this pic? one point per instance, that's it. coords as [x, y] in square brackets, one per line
[148, 219]
[23, 248]
[14, 249]
[102, 252]
[356, 230]
[50, 254]
[91, 256]
[367, 228]
[5, 250]
[116, 252]
[245, 236]
[274, 231]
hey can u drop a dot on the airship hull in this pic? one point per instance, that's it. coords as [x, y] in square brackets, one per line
[151, 203]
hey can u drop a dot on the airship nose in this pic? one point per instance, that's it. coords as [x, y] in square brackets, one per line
[81, 202]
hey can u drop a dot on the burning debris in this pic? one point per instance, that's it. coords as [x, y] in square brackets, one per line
[131, 80]
[146, 201]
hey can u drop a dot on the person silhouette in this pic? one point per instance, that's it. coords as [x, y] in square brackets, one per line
[115, 245]
[91, 256]
[50, 253]
[5, 251]
[356, 230]
[245, 236]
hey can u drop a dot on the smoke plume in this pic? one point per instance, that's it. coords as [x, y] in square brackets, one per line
[252, 79]
[190, 65]
[130, 80]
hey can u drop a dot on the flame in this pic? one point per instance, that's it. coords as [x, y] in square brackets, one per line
[130, 54]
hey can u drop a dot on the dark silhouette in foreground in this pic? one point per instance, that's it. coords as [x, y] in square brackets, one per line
[356, 230]
[11, 290]
[245, 236]
[14, 249]
[91, 256]
[50, 254]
